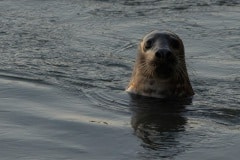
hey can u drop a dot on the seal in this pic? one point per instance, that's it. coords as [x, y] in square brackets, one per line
[160, 69]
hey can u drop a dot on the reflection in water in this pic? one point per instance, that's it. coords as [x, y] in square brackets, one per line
[159, 124]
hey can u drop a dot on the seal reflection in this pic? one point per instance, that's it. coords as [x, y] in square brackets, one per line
[159, 124]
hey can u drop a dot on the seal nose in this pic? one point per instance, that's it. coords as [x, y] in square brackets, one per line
[163, 54]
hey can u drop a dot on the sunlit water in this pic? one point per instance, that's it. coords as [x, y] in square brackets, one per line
[65, 65]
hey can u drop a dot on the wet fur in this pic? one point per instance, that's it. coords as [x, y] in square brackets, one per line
[146, 82]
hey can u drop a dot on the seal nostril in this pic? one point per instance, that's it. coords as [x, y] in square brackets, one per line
[159, 54]
[163, 53]
[168, 54]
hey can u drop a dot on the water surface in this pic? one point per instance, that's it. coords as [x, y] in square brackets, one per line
[64, 66]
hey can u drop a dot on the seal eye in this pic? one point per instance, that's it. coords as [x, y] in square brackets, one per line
[175, 44]
[149, 44]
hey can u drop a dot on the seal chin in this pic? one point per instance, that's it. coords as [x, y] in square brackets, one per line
[164, 71]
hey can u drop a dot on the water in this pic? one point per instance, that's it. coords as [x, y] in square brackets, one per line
[65, 65]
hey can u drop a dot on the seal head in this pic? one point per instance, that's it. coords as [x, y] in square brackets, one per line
[160, 69]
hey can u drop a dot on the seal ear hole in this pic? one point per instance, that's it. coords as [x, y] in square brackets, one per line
[175, 44]
[148, 44]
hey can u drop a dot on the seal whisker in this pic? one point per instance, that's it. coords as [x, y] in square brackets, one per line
[146, 70]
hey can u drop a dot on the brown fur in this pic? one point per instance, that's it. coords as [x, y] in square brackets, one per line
[149, 77]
